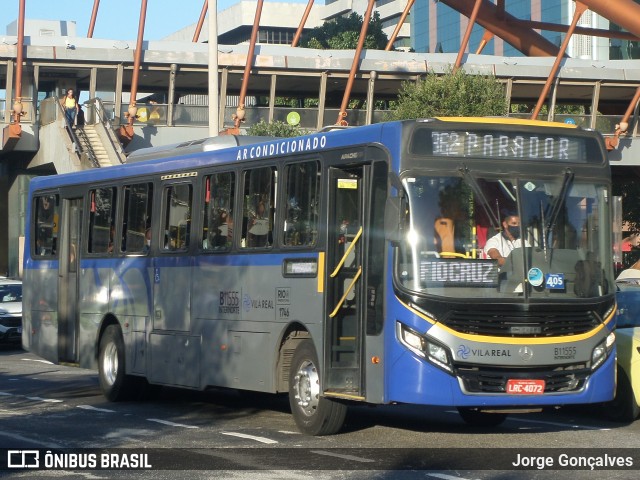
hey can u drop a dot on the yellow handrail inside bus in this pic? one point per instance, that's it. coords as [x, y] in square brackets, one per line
[454, 254]
[348, 251]
[349, 288]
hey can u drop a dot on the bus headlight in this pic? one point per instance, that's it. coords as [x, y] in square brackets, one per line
[602, 351]
[424, 347]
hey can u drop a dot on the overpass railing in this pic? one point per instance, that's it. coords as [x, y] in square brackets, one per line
[198, 115]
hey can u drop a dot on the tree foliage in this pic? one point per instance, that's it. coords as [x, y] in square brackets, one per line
[342, 33]
[452, 94]
[629, 189]
[275, 129]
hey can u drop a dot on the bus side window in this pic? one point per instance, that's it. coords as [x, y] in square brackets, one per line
[177, 216]
[138, 199]
[217, 233]
[301, 209]
[46, 227]
[102, 215]
[259, 200]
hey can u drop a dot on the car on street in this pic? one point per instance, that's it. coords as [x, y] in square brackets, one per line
[626, 405]
[10, 311]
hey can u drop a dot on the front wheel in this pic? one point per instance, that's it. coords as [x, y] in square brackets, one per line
[313, 413]
[114, 383]
[477, 418]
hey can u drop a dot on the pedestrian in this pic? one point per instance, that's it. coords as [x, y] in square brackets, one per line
[70, 105]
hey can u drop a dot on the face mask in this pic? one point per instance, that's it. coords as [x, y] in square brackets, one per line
[515, 232]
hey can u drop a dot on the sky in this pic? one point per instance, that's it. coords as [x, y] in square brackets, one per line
[116, 19]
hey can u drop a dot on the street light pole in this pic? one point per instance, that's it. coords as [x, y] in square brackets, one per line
[214, 109]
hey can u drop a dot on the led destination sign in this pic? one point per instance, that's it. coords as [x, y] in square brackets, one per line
[505, 145]
[458, 273]
[517, 145]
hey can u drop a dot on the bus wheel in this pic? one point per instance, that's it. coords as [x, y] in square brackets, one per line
[477, 418]
[623, 408]
[115, 385]
[313, 413]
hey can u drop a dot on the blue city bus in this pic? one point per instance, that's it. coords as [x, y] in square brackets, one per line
[341, 267]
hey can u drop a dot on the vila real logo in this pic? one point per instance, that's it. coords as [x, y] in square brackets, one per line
[465, 352]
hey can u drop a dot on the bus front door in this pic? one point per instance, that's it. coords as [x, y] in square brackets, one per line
[68, 317]
[343, 324]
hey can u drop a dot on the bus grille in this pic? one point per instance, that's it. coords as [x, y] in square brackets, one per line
[493, 380]
[521, 324]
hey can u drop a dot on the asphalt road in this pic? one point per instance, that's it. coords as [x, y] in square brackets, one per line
[229, 434]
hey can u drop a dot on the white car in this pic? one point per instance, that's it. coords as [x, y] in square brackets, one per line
[10, 311]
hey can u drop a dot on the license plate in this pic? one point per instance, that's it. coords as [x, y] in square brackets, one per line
[525, 387]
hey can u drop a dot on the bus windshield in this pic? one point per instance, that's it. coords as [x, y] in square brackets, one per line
[549, 237]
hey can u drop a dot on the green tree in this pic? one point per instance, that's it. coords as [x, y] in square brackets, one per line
[629, 189]
[275, 129]
[452, 94]
[342, 33]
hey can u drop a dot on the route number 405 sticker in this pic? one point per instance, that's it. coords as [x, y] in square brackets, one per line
[554, 281]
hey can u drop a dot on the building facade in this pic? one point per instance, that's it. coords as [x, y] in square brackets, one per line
[235, 23]
[437, 28]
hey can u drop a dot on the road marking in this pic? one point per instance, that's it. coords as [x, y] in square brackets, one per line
[28, 441]
[444, 476]
[95, 409]
[9, 412]
[557, 424]
[5, 394]
[544, 422]
[345, 457]
[171, 424]
[288, 432]
[47, 400]
[250, 437]
[36, 360]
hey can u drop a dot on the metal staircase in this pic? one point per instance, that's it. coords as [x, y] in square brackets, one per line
[93, 144]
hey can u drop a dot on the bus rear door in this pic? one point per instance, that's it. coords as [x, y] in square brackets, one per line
[68, 315]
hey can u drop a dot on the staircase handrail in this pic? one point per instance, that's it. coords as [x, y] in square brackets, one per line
[98, 114]
[77, 145]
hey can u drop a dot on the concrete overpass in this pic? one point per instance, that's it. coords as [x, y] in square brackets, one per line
[175, 76]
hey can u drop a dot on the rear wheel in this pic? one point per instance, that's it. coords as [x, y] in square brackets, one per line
[477, 418]
[313, 413]
[623, 408]
[114, 383]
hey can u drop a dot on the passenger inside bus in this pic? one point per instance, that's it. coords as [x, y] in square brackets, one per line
[222, 230]
[445, 236]
[259, 227]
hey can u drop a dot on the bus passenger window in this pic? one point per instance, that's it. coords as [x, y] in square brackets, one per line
[301, 209]
[46, 227]
[217, 222]
[177, 216]
[102, 224]
[258, 209]
[137, 217]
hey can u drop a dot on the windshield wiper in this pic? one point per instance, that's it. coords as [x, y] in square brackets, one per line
[558, 203]
[468, 178]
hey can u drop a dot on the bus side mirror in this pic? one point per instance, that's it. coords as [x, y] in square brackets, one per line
[392, 224]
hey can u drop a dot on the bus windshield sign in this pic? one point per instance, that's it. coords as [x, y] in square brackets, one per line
[500, 145]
